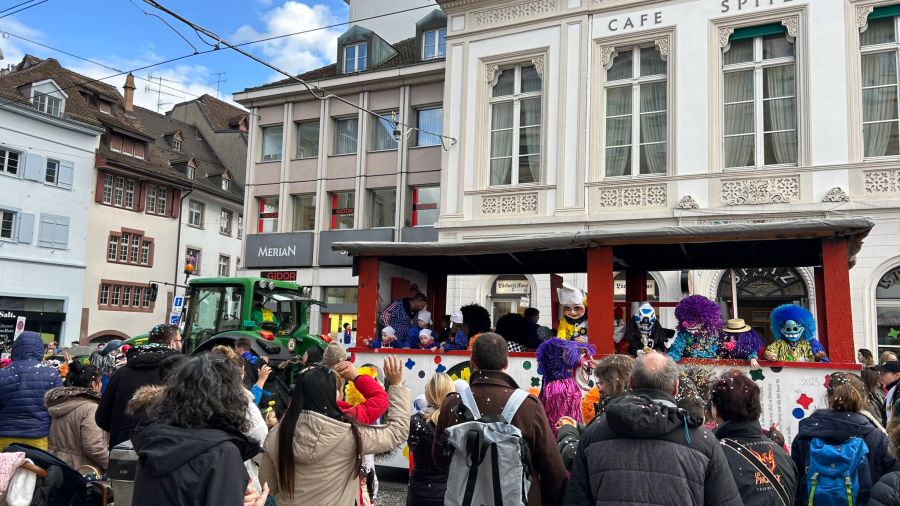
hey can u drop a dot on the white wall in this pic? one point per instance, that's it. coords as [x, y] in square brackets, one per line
[395, 27]
[208, 239]
[27, 270]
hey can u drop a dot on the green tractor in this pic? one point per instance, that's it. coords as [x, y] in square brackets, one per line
[274, 315]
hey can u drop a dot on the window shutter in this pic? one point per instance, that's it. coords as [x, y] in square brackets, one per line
[141, 203]
[98, 190]
[175, 203]
[45, 232]
[35, 167]
[26, 228]
[61, 232]
[66, 174]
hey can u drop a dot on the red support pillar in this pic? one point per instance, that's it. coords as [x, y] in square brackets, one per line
[437, 296]
[600, 298]
[821, 320]
[556, 282]
[367, 307]
[838, 312]
[635, 289]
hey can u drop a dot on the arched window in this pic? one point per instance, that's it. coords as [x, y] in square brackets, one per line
[887, 311]
[619, 288]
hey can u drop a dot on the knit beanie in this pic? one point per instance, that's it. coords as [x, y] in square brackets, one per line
[334, 354]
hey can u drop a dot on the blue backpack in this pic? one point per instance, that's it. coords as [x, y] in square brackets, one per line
[832, 476]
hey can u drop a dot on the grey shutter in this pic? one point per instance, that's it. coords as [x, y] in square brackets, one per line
[45, 232]
[61, 233]
[66, 174]
[26, 228]
[35, 167]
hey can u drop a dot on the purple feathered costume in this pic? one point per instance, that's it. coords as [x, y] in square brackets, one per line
[560, 394]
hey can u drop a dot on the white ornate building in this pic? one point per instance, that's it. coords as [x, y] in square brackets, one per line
[624, 114]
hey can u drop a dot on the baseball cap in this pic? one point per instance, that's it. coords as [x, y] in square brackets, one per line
[893, 367]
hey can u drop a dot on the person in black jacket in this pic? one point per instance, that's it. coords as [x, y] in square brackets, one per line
[427, 483]
[141, 369]
[195, 453]
[887, 491]
[734, 404]
[844, 418]
[647, 451]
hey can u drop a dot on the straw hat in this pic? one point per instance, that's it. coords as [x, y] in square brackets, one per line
[736, 326]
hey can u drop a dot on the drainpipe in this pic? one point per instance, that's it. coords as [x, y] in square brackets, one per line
[178, 239]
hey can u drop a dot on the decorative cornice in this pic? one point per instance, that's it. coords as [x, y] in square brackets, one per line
[634, 196]
[862, 16]
[774, 190]
[607, 53]
[688, 202]
[538, 62]
[725, 33]
[515, 12]
[662, 44]
[836, 194]
[526, 203]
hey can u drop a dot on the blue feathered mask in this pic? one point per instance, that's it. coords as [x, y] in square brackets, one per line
[792, 323]
[557, 358]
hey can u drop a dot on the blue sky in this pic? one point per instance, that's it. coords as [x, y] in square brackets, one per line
[118, 34]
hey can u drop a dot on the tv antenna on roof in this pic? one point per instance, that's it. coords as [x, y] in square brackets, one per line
[159, 91]
[219, 81]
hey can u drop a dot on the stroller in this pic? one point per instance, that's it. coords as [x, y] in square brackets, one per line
[61, 485]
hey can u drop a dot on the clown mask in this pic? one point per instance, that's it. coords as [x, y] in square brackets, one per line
[792, 331]
[574, 311]
[645, 318]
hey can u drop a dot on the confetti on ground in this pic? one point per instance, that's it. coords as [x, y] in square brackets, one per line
[410, 364]
[805, 401]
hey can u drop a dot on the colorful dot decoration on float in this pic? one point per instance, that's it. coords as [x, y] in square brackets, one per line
[410, 363]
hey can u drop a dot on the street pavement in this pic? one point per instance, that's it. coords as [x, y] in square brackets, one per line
[391, 493]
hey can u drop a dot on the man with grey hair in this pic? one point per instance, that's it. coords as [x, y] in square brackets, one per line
[648, 451]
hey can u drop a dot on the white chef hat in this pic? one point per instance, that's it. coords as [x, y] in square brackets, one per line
[457, 317]
[569, 296]
[425, 316]
[389, 331]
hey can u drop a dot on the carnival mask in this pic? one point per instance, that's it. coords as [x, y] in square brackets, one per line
[645, 319]
[584, 371]
[792, 331]
[574, 312]
[692, 327]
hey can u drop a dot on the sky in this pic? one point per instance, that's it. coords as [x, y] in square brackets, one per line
[117, 34]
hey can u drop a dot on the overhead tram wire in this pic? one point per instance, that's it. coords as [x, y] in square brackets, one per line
[23, 8]
[321, 95]
[138, 7]
[17, 5]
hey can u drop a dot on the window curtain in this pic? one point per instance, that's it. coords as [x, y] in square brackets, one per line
[739, 119]
[780, 114]
[530, 141]
[383, 134]
[501, 143]
[653, 128]
[879, 71]
[430, 120]
[618, 131]
[345, 136]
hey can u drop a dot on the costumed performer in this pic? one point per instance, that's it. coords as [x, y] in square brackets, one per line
[740, 342]
[699, 328]
[795, 329]
[573, 325]
[566, 367]
[644, 332]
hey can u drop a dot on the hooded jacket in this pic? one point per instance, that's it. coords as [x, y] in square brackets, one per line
[142, 369]
[887, 491]
[190, 467]
[22, 387]
[754, 488]
[74, 435]
[325, 452]
[835, 427]
[645, 450]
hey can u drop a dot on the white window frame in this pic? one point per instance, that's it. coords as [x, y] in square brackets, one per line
[176, 144]
[47, 104]
[226, 264]
[757, 65]
[4, 162]
[889, 47]
[198, 258]
[439, 50]
[195, 212]
[635, 113]
[240, 226]
[52, 168]
[516, 98]
[14, 221]
[420, 135]
[225, 219]
[356, 58]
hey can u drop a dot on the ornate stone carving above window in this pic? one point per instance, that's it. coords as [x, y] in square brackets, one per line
[775, 190]
[512, 13]
[688, 202]
[836, 194]
[538, 62]
[491, 73]
[792, 24]
[634, 196]
[862, 16]
[883, 181]
[607, 53]
[662, 44]
[526, 203]
[725, 35]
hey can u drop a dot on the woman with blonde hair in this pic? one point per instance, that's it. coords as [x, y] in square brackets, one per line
[427, 484]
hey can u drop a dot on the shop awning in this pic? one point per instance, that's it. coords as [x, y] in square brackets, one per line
[707, 246]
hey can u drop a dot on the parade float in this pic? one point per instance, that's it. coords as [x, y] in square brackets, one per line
[791, 390]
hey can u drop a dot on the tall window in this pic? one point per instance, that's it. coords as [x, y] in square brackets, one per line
[346, 131]
[7, 224]
[240, 226]
[157, 199]
[880, 50]
[193, 256]
[760, 98]
[47, 103]
[226, 182]
[224, 266]
[268, 215]
[430, 124]
[382, 205]
[271, 143]
[636, 113]
[887, 311]
[342, 210]
[426, 206]
[355, 56]
[225, 217]
[516, 100]
[304, 212]
[434, 44]
[195, 214]
[308, 139]
[383, 132]
[9, 162]
[51, 174]
[176, 144]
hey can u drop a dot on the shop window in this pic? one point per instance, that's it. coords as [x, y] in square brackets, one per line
[341, 295]
[760, 97]
[425, 206]
[343, 206]
[636, 113]
[268, 215]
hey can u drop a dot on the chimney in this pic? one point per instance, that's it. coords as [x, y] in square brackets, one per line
[129, 93]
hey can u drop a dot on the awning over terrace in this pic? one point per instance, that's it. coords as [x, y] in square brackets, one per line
[716, 246]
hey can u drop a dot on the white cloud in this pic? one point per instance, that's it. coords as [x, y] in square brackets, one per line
[297, 53]
[13, 48]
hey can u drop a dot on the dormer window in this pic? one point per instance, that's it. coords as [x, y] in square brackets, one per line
[191, 169]
[355, 57]
[176, 144]
[127, 146]
[434, 44]
[226, 182]
[105, 107]
[47, 104]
